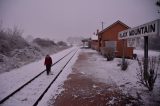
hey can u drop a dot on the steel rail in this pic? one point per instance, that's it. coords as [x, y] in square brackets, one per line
[45, 91]
[18, 89]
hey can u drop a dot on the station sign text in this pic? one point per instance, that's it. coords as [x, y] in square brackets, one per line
[150, 28]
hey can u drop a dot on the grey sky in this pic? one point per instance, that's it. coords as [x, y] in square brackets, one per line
[58, 19]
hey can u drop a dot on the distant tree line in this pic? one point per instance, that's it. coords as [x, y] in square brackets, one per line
[44, 42]
[16, 51]
[11, 39]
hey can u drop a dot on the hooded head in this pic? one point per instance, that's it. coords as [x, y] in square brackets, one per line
[47, 55]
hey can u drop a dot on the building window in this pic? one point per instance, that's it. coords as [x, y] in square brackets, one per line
[111, 44]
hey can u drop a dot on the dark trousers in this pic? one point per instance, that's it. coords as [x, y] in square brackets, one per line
[48, 68]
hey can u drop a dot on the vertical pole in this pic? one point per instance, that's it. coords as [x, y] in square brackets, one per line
[102, 25]
[83, 44]
[123, 58]
[145, 57]
[99, 42]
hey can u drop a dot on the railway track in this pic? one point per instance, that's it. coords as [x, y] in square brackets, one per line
[41, 81]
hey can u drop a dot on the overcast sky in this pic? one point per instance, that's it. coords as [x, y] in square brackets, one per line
[59, 19]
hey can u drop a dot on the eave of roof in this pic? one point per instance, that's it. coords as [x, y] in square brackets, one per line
[112, 25]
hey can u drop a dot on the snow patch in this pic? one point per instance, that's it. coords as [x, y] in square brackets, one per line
[57, 86]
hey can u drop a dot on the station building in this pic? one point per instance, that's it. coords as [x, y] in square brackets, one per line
[86, 43]
[94, 42]
[108, 38]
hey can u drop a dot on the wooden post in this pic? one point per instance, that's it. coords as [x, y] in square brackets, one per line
[145, 57]
[83, 43]
[123, 58]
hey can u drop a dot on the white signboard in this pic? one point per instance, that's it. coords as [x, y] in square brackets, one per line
[131, 42]
[151, 28]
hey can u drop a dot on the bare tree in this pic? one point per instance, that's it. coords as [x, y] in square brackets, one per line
[153, 65]
[14, 32]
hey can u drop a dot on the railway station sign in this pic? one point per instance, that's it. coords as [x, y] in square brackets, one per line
[151, 28]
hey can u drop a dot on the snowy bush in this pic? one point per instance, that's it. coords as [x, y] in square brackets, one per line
[11, 40]
[148, 78]
[109, 54]
[15, 51]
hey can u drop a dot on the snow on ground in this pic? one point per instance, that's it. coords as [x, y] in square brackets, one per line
[103, 71]
[127, 80]
[29, 94]
[20, 57]
[9, 81]
[57, 88]
[140, 52]
[110, 72]
[153, 97]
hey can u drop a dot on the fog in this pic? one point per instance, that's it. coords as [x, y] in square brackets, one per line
[59, 19]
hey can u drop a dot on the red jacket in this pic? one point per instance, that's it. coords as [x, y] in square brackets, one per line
[48, 60]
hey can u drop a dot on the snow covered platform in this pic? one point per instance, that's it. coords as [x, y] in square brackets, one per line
[94, 81]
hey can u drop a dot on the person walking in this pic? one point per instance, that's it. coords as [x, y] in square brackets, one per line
[48, 63]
